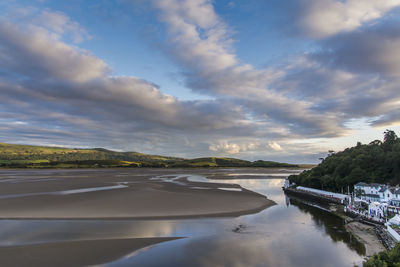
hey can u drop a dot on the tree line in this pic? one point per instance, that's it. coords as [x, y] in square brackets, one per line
[376, 162]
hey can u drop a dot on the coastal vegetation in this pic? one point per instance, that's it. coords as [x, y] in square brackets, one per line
[376, 162]
[24, 156]
[389, 258]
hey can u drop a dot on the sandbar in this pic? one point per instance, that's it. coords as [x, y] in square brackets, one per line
[119, 194]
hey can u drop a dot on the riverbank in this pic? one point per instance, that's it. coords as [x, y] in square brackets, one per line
[366, 234]
[363, 231]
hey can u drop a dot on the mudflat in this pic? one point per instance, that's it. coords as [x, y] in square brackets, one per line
[119, 194]
[76, 253]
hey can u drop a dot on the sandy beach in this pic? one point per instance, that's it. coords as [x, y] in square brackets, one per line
[119, 194]
[366, 235]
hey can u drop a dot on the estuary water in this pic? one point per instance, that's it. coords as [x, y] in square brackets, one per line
[291, 233]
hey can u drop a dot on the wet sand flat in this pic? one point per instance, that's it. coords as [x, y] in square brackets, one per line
[76, 253]
[118, 193]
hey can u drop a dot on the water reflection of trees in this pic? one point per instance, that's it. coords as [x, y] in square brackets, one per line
[330, 224]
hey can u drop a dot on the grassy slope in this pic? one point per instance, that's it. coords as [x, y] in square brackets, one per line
[25, 152]
[38, 156]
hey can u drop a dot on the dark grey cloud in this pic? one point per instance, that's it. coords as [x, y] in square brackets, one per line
[390, 118]
[371, 51]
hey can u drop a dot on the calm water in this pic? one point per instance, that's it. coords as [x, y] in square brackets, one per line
[290, 233]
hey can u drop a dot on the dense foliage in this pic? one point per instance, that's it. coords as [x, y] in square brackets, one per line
[22, 156]
[377, 162]
[389, 258]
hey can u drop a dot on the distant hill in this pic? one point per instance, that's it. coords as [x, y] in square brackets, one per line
[377, 162]
[26, 156]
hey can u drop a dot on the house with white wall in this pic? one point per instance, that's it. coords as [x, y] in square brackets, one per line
[368, 192]
[368, 188]
[390, 194]
[385, 194]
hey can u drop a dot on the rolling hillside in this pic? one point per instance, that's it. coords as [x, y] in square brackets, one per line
[26, 156]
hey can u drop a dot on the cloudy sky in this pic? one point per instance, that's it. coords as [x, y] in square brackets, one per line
[263, 79]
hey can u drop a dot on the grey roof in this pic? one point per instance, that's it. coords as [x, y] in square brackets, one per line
[375, 185]
[370, 195]
[394, 190]
[383, 189]
[360, 184]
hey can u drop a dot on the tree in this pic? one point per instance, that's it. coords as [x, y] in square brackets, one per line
[376, 143]
[385, 258]
[359, 192]
[389, 139]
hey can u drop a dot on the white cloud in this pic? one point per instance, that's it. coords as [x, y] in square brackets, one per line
[61, 24]
[33, 52]
[322, 18]
[275, 146]
[224, 147]
[207, 52]
[233, 148]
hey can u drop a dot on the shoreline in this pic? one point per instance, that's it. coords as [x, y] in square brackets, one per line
[366, 235]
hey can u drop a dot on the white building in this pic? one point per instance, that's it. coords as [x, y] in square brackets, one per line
[385, 194]
[383, 201]
[368, 188]
[368, 192]
[378, 192]
[390, 194]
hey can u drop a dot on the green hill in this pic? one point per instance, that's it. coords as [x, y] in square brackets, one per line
[26, 152]
[377, 162]
[228, 162]
[26, 156]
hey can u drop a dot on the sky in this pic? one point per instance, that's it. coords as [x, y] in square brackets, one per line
[271, 80]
